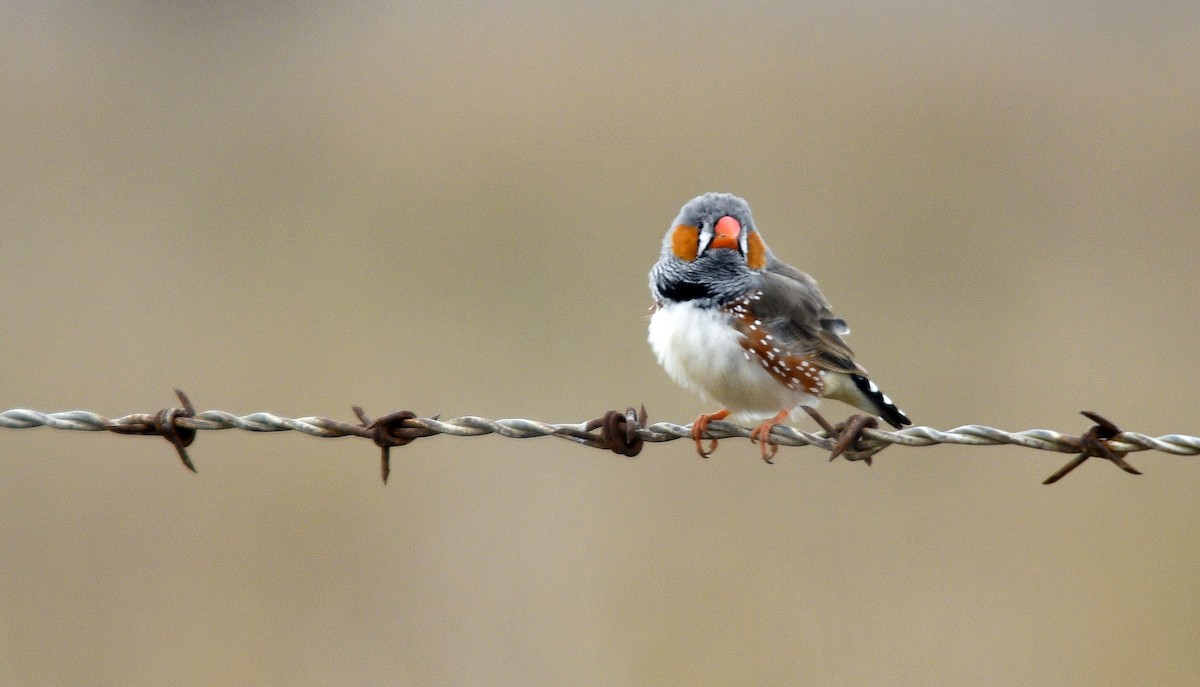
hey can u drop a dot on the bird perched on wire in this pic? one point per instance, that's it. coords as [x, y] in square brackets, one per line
[735, 324]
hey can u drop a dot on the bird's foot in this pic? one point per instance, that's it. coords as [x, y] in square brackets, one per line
[700, 426]
[762, 434]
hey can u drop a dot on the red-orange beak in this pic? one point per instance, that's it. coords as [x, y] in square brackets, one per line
[727, 233]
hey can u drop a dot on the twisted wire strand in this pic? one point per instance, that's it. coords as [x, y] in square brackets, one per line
[517, 428]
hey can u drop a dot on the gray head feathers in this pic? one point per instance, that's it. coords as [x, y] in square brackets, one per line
[691, 269]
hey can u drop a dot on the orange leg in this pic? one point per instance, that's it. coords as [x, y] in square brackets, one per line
[762, 433]
[700, 426]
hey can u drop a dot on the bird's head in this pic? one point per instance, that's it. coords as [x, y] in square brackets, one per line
[712, 251]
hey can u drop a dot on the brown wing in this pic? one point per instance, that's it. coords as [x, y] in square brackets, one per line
[795, 313]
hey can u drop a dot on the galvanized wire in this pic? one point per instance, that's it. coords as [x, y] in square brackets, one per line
[616, 431]
[516, 428]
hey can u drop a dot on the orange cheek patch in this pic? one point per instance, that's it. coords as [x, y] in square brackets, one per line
[756, 254]
[685, 241]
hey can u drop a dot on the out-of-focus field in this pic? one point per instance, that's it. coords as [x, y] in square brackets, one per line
[452, 208]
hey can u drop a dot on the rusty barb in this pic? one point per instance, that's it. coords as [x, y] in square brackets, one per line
[165, 424]
[1094, 444]
[624, 433]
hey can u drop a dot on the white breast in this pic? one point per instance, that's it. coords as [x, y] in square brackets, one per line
[700, 350]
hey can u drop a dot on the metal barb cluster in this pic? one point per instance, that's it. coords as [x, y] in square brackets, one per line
[624, 433]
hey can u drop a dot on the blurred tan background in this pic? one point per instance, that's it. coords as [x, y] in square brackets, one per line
[451, 209]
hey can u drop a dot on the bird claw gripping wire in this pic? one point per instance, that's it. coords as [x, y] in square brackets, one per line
[619, 432]
[163, 423]
[391, 430]
[1093, 445]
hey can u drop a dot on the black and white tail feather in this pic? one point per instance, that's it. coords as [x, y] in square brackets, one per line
[883, 405]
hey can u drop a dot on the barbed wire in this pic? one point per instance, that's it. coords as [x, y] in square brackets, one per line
[623, 433]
